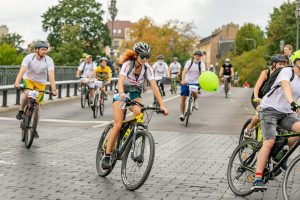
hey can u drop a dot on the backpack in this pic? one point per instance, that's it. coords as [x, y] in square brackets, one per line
[199, 65]
[260, 93]
[269, 83]
[83, 67]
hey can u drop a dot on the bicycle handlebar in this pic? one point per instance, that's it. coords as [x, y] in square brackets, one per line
[143, 108]
[25, 88]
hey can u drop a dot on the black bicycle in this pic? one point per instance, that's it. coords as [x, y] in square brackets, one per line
[155, 102]
[98, 103]
[85, 95]
[226, 85]
[242, 163]
[134, 146]
[30, 117]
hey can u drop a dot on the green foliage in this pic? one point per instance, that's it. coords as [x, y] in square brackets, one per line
[9, 55]
[86, 16]
[282, 26]
[13, 39]
[249, 64]
[246, 32]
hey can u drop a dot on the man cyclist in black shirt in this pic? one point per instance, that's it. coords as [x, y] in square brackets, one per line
[227, 70]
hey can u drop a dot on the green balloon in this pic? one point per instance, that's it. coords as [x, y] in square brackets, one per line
[208, 81]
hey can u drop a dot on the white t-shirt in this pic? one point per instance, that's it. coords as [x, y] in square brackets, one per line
[131, 79]
[193, 73]
[36, 70]
[88, 69]
[278, 100]
[160, 69]
[175, 67]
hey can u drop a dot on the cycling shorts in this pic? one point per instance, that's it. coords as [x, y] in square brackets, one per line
[35, 86]
[132, 95]
[185, 89]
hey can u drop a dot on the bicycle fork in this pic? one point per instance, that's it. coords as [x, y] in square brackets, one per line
[137, 158]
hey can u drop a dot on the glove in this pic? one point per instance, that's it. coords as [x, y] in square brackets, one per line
[294, 106]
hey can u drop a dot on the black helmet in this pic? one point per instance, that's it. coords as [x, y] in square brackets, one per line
[41, 44]
[278, 58]
[160, 57]
[141, 48]
[199, 53]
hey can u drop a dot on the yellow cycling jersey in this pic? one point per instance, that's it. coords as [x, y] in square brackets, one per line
[103, 73]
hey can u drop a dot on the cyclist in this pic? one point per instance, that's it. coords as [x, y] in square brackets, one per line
[84, 71]
[161, 72]
[236, 79]
[82, 59]
[288, 51]
[278, 109]
[277, 61]
[103, 73]
[190, 74]
[133, 72]
[227, 70]
[34, 70]
[175, 67]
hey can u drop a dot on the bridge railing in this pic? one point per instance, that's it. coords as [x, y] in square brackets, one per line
[60, 86]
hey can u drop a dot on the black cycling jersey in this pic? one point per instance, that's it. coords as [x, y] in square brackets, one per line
[227, 69]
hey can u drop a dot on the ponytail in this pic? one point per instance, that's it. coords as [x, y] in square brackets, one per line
[129, 55]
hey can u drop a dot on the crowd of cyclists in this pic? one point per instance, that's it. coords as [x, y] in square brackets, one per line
[275, 107]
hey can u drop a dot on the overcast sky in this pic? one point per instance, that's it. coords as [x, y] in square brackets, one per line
[24, 16]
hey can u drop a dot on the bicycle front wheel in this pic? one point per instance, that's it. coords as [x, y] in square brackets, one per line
[96, 106]
[101, 104]
[241, 167]
[32, 125]
[188, 111]
[226, 88]
[83, 97]
[291, 181]
[137, 160]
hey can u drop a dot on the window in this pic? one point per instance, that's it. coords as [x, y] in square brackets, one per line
[114, 31]
[119, 31]
[115, 44]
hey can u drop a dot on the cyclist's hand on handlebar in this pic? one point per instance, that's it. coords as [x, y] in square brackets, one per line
[295, 107]
[257, 100]
[54, 92]
[182, 82]
[165, 110]
[17, 86]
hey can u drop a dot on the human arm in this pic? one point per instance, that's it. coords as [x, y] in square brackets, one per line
[52, 82]
[221, 72]
[232, 73]
[20, 76]
[258, 84]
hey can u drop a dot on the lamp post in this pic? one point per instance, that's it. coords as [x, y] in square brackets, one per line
[113, 13]
[297, 13]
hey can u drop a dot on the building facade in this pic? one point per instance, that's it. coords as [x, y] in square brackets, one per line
[218, 43]
[3, 30]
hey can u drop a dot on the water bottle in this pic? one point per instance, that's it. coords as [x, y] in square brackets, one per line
[281, 153]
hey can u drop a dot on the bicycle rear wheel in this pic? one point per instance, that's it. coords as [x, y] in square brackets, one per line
[101, 150]
[188, 111]
[83, 97]
[96, 105]
[137, 163]
[101, 104]
[291, 181]
[241, 167]
[32, 125]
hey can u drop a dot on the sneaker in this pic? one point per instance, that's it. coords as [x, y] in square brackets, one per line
[106, 162]
[93, 107]
[36, 135]
[258, 185]
[20, 115]
[229, 92]
[164, 94]
[248, 133]
[196, 106]
[181, 117]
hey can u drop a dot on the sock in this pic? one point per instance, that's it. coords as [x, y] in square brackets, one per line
[258, 175]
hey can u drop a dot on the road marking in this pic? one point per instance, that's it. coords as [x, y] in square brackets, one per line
[59, 120]
[166, 100]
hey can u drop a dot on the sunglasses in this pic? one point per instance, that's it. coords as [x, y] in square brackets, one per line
[144, 56]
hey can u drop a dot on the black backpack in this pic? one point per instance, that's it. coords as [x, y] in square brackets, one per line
[260, 92]
[267, 87]
[199, 65]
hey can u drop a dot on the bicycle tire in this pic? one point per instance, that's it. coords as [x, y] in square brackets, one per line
[23, 126]
[101, 105]
[87, 95]
[287, 184]
[96, 105]
[32, 124]
[83, 97]
[242, 156]
[226, 89]
[125, 159]
[242, 138]
[188, 111]
[100, 152]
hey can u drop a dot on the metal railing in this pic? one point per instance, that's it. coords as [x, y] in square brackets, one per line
[59, 84]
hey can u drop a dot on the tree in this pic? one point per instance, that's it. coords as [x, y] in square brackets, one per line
[12, 39]
[246, 32]
[9, 55]
[282, 26]
[158, 37]
[85, 14]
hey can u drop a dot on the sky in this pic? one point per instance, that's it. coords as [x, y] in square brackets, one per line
[24, 16]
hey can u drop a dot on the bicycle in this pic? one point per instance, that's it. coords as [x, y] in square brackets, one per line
[173, 83]
[85, 93]
[98, 101]
[244, 167]
[30, 117]
[226, 85]
[189, 103]
[131, 147]
[155, 102]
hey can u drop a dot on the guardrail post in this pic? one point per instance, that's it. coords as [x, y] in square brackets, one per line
[59, 91]
[75, 89]
[111, 86]
[68, 90]
[18, 96]
[4, 103]
[50, 95]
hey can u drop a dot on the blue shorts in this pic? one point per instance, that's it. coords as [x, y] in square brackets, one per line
[185, 89]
